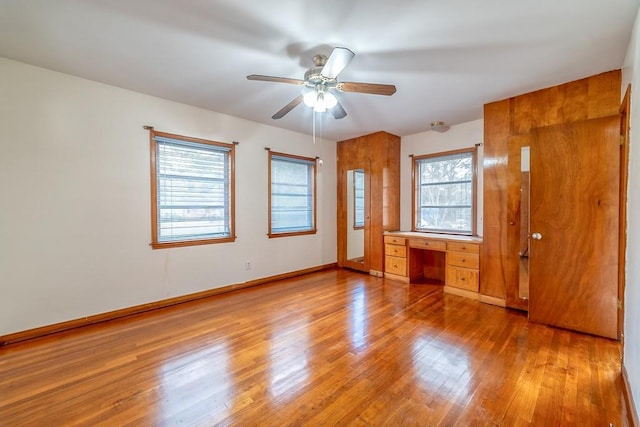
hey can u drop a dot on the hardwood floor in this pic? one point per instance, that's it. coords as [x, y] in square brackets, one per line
[329, 348]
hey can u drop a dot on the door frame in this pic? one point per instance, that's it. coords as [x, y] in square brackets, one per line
[625, 114]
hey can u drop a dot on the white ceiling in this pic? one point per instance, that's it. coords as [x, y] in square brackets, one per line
[446, 57]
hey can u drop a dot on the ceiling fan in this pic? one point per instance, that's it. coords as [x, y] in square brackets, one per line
[321, 80]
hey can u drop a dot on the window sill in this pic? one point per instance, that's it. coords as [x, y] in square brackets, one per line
[450, 232]
[166, 245]
[293, 233]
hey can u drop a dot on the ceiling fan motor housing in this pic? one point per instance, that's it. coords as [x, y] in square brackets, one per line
[313, 77]
[320, 60]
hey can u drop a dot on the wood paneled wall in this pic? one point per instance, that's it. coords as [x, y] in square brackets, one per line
[589, 98]
[379, 155]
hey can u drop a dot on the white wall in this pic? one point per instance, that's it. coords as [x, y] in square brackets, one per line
[464, 135]
[75, 208]
[631, 74]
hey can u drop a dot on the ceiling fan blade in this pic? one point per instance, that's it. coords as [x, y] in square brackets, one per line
[338, 60]
[274, 79]
[290, 106]
[338, 112]
[372, 88]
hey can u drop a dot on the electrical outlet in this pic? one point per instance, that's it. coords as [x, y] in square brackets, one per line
[247, 265]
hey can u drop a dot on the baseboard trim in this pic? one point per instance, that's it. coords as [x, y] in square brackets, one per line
[403, 279]
[500, 302]
[129, 311]
[461, 292]
[475, 296]
[631, 414]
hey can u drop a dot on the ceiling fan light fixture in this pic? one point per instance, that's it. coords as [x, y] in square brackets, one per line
[330, 100]
[321, 105]
[439, 126]
[320, 100]
[310, 98]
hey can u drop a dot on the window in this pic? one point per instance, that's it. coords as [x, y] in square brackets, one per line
[191, 191]
[358, 199]
[291, 195]
[444, 192]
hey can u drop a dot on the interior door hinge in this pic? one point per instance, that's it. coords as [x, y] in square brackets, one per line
[619, 305]
[622, 139]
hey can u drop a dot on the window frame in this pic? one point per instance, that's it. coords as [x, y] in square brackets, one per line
[415, 180]
[313, 163]
[155, 243]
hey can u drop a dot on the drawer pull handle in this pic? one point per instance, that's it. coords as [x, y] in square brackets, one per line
[462, 260]
[462, 279]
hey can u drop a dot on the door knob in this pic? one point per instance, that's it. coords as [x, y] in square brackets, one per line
[536, 236]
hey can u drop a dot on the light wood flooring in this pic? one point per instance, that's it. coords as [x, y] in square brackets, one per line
[329, 348]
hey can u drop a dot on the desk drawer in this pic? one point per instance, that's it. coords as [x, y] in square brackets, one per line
[462, 278]
[395, 265]
[395, 250]
[462, 259]
[463, 247]
[395, 240]
[434, 245]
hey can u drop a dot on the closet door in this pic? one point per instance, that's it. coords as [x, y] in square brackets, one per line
[574, 226]
[356, 226]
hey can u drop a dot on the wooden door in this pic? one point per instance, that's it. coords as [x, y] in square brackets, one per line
[574, 208]
[351, 156]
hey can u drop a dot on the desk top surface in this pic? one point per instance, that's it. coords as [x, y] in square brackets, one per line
[435, 236]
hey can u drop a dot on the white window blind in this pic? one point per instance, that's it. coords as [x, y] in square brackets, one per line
[193, 190]
[445, 193]
[292, 198]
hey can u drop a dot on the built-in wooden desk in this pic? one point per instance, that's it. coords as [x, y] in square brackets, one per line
[447, 259]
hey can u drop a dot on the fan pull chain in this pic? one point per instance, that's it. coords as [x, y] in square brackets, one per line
[314, 126]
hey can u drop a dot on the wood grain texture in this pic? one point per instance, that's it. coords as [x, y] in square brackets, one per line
[372, 88]
[461, 259]
[604, 94]
[493, 262]
[463, 278]
[592, 97]
[349, 157]
[384, 151]
[431, 265]
[330, 348]
[378, 154]
[575, 207]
